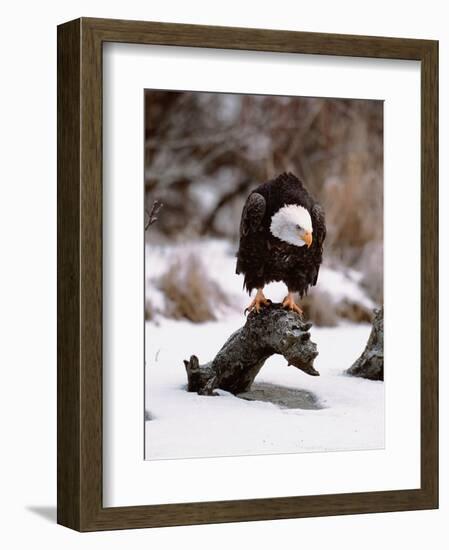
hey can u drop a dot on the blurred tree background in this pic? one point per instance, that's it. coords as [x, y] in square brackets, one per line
[204, 153]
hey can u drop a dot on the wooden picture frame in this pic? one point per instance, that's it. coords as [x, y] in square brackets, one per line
[80, 504]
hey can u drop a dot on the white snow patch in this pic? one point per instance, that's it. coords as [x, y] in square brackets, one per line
[343, 285]
[186, 425]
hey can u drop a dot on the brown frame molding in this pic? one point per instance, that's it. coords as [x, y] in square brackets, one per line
[80, 274]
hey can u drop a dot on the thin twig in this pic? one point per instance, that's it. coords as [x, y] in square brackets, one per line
[152, 216]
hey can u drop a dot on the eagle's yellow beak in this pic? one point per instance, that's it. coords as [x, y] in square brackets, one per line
[307, 238]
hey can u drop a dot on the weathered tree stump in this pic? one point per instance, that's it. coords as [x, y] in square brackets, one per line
[236, 365]
[371, 363]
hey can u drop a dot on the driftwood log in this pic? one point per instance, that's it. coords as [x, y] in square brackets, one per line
[371, 363]
[234, 368]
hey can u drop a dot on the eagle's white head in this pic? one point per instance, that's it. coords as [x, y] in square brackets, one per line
[292, 224]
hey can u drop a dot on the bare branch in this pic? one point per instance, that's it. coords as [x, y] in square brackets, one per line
[152, 216]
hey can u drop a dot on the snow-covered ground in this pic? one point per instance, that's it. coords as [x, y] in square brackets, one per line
[182, 424]
[185, 424]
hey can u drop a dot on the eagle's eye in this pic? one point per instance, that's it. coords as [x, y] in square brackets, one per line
[298, 227]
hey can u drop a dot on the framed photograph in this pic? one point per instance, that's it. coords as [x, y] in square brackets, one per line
[247, 274]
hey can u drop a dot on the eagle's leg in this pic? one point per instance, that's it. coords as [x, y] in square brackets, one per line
[258, 302]
[289, 303]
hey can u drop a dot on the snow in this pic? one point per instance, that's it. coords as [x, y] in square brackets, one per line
[344, 285]
[184, 424]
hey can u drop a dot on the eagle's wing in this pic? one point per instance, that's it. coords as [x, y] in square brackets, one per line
[319, 234]
[251, 253]
[320, 225]
[252, 215]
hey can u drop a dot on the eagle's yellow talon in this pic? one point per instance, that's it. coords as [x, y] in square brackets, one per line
[258, 302]
[289, 303]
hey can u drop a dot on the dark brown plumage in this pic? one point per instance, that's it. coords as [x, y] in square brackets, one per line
[263, 257]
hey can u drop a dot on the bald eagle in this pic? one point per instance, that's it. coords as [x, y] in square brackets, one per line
[282, 231]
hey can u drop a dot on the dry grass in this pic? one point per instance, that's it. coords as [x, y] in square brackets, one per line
[352, 196]
[371, 264]
[319, 308]
[354, 311]
[323, 311]
[190, 293]
[150, 310]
